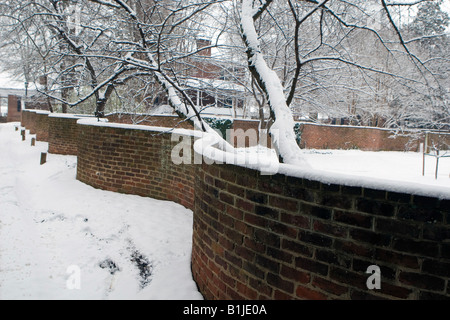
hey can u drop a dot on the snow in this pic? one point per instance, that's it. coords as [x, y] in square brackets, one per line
[56, 233]
[382, 170]
[70, 116]
[163, 109]
[258, 158]
[221, 112]
[42, 112]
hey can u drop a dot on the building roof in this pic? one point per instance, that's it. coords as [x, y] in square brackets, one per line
[5, 92]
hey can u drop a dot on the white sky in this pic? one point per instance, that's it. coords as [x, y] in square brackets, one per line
[6, 81]
[446, 5]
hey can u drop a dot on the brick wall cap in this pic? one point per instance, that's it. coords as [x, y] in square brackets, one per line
[105, 123]
[141, 114]
[70, 115]
[42, 112]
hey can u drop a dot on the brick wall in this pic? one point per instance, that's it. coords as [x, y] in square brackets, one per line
[347, 137]
[14, 109]
[24, 121]
[29, 120]
[247, 126]
[133, 161]
[279, 237]
[63, 134]
[315, 136]
[41, 125]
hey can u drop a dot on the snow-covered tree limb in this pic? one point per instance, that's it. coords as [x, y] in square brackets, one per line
[282, 130]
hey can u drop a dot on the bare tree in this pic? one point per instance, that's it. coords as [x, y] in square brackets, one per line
[25, 43]
[322, 41]
[349, 58]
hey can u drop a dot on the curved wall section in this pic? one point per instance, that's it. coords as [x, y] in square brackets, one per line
[134, 160]
[281, 237]
[29, 120]
[63, 133]
[41, 125]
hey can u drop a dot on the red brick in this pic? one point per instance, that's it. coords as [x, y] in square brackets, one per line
[329, 286]
[310, 294]
[295, 274]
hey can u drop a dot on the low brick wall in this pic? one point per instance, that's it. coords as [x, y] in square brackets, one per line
[14, 108]
[29, 120]
[319, 136]
[129, 160]
[41, 125]
[63, 133]
[282, 237]
[314, 136]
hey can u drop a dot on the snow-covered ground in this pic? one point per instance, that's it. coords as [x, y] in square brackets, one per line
[62, 239]
[404, 169]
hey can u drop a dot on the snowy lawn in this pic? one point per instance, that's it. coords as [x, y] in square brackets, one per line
[62, 239]
[403, 169]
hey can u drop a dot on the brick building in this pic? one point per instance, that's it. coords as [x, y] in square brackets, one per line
[13, 101]
[208, 82]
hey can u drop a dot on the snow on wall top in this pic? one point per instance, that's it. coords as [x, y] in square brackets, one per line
[104, 123]
[266, 161]
[69, 115]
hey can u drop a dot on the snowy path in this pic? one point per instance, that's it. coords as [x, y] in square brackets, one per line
[61, 239]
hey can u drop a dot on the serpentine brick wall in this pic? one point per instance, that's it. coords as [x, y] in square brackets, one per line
[36, 121]
[280, 236]
[41, 125]
[315, 136]
[14, 108]
[63, 134]
[29, 120]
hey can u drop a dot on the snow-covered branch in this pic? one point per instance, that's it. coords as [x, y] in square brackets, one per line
[282, 130]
